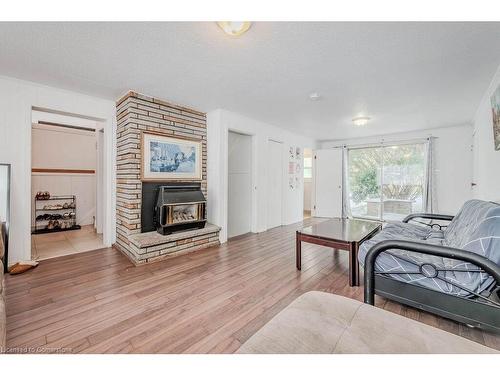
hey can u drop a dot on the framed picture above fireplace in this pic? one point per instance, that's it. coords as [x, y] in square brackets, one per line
[169, 158]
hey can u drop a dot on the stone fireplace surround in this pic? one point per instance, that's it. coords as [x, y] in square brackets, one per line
[136, 113]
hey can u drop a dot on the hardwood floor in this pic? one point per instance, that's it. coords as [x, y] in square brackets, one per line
[210, 301]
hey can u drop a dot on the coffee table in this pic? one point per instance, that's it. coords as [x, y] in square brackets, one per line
[337, 233]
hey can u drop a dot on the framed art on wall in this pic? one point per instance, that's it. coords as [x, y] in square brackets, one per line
[495, 110]
[170, 158]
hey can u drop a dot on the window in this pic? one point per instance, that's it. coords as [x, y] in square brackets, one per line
[308, 167]
[386, 183]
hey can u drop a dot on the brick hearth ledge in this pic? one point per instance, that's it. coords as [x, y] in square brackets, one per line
[151, 246]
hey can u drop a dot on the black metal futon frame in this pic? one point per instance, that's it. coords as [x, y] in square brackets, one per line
[477, 310]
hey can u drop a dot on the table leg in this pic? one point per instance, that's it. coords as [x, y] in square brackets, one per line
[353, 265]
[298, 251]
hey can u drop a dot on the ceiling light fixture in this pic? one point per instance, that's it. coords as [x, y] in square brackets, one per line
[314, 96]
[360, 120]
[234, 28]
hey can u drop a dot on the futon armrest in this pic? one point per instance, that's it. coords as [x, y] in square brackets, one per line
[427, 216]
[483, 263]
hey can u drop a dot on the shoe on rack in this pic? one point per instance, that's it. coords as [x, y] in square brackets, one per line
[40, 217]
[50, 226]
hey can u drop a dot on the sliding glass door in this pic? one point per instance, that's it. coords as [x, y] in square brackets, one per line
[386, 182]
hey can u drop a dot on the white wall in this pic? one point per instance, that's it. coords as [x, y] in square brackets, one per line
[60, 148]
[17, 98]
[486, 172]
[219, 122]
[239, 184]
[453, 162]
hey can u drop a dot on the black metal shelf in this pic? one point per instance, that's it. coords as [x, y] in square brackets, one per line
[63, 218]
[54, 209]
[57, 198]
[45, 230]
[41, 226]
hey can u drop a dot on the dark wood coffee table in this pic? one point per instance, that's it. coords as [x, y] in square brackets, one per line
[344, 234]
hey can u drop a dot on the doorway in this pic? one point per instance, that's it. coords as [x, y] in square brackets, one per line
[275, 184]
[327, 182]
[308, 173]
[239, 215]
[386, 182]
[66, 186]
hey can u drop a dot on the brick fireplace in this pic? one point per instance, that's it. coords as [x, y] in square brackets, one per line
[137, 113]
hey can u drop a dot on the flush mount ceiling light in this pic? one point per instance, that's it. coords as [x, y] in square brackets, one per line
[360, 120]
[234, 28]
[314, 96]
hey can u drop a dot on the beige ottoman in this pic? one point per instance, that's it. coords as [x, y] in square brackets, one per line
[318, 322]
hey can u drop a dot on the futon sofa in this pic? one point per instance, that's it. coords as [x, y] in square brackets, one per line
[451, 270]
[319, 322]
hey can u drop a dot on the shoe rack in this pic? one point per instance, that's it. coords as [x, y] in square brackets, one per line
[55, 214]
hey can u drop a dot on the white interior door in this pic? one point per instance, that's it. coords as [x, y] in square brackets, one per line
[327, 181]
[275, 184]
[239, 215]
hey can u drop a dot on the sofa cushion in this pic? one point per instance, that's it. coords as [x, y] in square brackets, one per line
[460, 229]
[319, 322]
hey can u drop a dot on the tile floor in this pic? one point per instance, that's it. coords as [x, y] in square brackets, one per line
[51, 245]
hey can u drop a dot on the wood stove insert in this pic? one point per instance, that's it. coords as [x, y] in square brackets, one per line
[179, 207]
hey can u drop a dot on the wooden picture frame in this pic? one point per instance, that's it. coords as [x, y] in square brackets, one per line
[170, 158]
[495, 113]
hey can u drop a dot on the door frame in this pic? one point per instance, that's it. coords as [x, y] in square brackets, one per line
[108, 167]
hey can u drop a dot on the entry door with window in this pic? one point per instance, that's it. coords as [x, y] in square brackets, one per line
[386, 182]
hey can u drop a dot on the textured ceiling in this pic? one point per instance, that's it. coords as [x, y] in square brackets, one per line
[406, 76]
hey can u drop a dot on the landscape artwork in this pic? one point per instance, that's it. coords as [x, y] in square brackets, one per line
[170, 158]
[495, 110]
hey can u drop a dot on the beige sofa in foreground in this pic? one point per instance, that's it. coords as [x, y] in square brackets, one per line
[318, 322]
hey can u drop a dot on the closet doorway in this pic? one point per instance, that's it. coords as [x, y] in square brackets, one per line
[239, 212]
[66, 185]
[308, 174]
